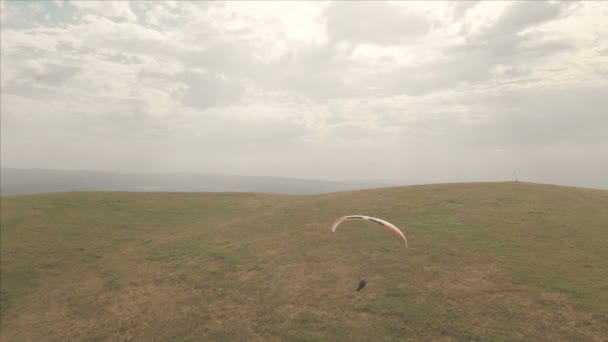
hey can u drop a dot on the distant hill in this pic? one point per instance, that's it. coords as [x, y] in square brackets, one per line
[486, 262]
[15, 181]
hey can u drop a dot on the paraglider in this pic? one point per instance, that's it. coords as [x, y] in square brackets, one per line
[381, 222]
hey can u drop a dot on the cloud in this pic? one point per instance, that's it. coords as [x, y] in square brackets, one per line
[222, 55]
[332, 70]
[110, 9]
[207, 90]
[56, 74]
[526, 118]
[481, 57]
[460, 8]
[506, 36]
[429, 91]
[372, 22]
[320, 72]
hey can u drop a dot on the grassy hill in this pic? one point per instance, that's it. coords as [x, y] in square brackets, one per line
[486, 261]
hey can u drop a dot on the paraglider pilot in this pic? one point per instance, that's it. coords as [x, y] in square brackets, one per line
[361, 284]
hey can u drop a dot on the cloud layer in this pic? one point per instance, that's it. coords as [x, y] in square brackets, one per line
[409, 91]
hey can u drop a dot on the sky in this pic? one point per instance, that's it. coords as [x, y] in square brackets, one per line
[412, 92]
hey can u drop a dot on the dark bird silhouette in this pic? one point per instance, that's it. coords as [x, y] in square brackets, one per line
[361, 284]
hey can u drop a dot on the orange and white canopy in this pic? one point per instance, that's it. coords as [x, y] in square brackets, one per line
[381, 222]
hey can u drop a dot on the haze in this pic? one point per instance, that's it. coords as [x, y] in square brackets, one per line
[405, 91]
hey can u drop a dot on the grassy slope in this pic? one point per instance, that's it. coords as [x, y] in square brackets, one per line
[500, 261]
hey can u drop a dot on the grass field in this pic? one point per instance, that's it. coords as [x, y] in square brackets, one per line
[486, 261]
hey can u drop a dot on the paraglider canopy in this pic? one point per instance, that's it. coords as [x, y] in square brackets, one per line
[381, 222]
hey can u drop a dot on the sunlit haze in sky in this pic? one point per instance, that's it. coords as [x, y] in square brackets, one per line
[405, 91]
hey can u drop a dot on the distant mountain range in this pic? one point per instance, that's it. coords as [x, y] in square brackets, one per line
[14, 181]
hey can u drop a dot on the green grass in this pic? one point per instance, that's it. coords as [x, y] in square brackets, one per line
[486, 261]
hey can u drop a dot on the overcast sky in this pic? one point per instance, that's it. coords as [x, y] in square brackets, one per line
[409, 91]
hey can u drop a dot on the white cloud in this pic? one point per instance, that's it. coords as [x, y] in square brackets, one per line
[373, 22]
[110, 9]
[407, 90]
